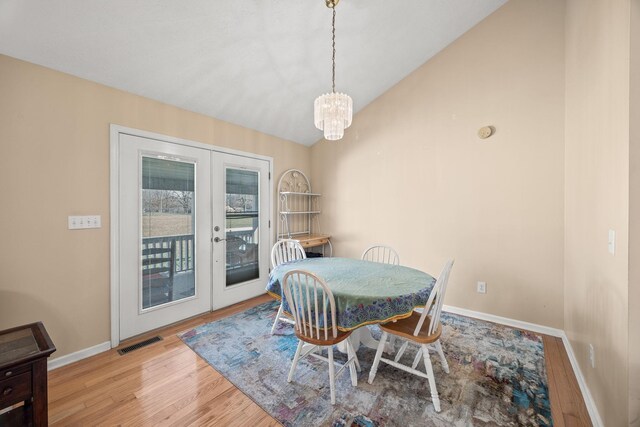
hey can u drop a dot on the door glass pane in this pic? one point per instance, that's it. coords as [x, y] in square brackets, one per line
[168, 231]
[241, 224]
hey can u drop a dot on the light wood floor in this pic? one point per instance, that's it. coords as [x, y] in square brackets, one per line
[168, 384]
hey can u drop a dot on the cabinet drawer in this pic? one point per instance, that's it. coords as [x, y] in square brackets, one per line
[10, 372]
[15, 389]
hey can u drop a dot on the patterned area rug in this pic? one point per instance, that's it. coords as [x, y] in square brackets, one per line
[497, 376]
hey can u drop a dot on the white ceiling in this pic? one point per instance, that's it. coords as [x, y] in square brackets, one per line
[256, 63]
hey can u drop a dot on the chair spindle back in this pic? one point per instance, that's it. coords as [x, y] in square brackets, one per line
[286, 250]
[433, 307]
[312, 305]
[382, 254]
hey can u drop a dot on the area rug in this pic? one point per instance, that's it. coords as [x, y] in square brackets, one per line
[497, 376]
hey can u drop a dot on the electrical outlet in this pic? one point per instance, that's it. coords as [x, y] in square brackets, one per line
[611, 242]
[592, 356]
[482, 287]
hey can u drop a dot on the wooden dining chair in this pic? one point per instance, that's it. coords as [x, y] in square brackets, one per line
[314, 310]
[382, 254]
[423, 329]
[285, 250]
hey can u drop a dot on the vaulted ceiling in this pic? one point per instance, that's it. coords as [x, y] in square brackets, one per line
[255, 63]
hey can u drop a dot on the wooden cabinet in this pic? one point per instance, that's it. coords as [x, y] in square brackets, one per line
[299, 212]
[23, 374]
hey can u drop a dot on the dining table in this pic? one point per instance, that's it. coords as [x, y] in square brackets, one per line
[365, 292]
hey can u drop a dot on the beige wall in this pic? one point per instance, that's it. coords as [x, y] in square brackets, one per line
[412, 173]
[597, 197]
[54, 131]
[526, 211]
[634, 223]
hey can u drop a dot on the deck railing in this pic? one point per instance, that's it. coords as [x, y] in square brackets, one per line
[184, 244]
[244, 233]
[184, 260]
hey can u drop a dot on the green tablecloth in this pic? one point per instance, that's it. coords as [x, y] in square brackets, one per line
[365, 292]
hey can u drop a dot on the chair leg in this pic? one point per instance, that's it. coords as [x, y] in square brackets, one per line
[445, 365]
[376, 361]
[416, 359]
[351, 354]
[332, 375]
[358, 368]
[432, 380]
[295, 361]
[392, 342]
[275, 322]
[355, 356]
[400, 352]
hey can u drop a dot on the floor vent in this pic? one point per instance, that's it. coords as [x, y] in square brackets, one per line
[141, 344]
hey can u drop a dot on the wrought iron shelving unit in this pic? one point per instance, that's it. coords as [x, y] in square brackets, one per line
[299, 212]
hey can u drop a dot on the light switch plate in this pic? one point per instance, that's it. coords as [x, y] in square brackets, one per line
[81, 222]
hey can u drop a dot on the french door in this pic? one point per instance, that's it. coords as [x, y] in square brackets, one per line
[193, 231]
[241, 230]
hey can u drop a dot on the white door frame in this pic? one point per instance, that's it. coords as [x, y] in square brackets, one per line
[115, 131]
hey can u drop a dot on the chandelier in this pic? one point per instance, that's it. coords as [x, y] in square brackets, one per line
[333, 111]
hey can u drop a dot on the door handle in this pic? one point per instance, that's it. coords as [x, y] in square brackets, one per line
[217, 239]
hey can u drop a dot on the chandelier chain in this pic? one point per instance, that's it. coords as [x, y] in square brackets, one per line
[333, 57]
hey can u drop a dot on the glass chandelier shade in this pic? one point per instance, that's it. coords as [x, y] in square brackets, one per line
[333, 113]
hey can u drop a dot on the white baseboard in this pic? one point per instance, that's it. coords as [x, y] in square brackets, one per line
[78, 355]
[505, 321]
[586, 394]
